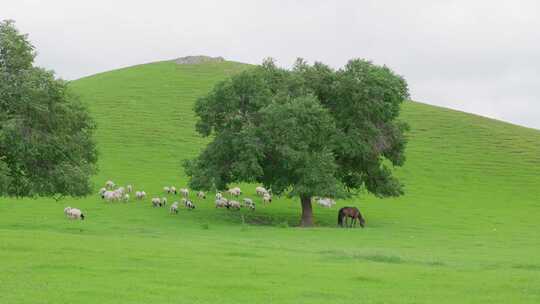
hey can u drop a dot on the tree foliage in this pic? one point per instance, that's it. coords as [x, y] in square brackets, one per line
[309, 131]
[46, 144]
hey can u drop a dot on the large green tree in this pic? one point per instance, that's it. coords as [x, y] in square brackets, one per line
[309, 131]
[46, 145]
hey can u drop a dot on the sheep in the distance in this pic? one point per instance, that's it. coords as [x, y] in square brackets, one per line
[189, 204]
[267, 198]
[109, 185]
[248, 203]
[221, 202]
[219, 195]
[234, 192]
[233, 205]
[261, 191]
[173, 190]
[184, 192]
[75, 214]
[129, 188]
[166, 190]
[326, 202]
[174, 208]
[156, 202]
[201, 195]
[67, 211]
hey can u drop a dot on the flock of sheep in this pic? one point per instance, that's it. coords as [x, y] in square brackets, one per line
[111, 193]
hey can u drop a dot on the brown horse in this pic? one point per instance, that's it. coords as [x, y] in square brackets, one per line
[353, 213]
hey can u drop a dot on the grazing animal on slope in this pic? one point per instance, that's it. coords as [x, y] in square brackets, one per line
[75, 214]
[221, 202]
[109, 184]
[174, 208]
[201, 195]
[353, 213]
[233, 205]
[156, 202]
[190, 205]
[184, 192]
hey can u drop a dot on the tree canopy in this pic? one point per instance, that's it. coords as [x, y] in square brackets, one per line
[309, 131]
[46, 143]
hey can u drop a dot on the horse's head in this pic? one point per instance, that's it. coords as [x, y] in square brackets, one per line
[362, 221]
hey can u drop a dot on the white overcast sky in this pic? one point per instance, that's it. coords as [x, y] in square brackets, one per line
[477, 56]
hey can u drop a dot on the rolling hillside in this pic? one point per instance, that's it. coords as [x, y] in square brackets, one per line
[464, 232]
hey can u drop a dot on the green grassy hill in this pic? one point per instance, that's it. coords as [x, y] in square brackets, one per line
[465, 232]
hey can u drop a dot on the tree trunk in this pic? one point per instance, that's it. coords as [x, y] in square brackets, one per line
[307, 212]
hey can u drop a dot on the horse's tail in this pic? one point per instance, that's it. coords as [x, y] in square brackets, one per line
[340, 217]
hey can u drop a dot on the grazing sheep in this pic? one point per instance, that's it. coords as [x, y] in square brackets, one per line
[111, 196]
[138, 195]
[102, 191]
[221, 202]
[166, 190]
[156, 202]
[190, 205]
[201, 195]
[248, 203]
[174, 208]
[67, 211]
[143, 194]
[235, 191]
[173, 190]
[219, 195]
[326, 202]
[125, 198]
[267, 198]
[109, 185]
[233, 205]
[76, 214]
[184, 192]
[129, 188]
[261, 191]
[164, 201]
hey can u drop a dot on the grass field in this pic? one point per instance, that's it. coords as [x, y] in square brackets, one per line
[465, 232]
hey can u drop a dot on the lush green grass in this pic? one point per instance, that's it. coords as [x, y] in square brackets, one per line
[465, 232]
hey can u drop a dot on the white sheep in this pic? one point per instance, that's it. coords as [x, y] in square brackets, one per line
[125, 198]
[261, 191]
[167, 190]
[248, 203]
[221, 202]
[326, 202]
[184, 192]
[67, 211]
[267, 198]
[235, 191]
[219, 195]
[234, 205]
[190, 205]
[102, 191]
[76, 214]
[109, 184]
[156, 202]
[201, 195]
[111, 196]
[164, 201]
[129, 188]
[174, 208]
